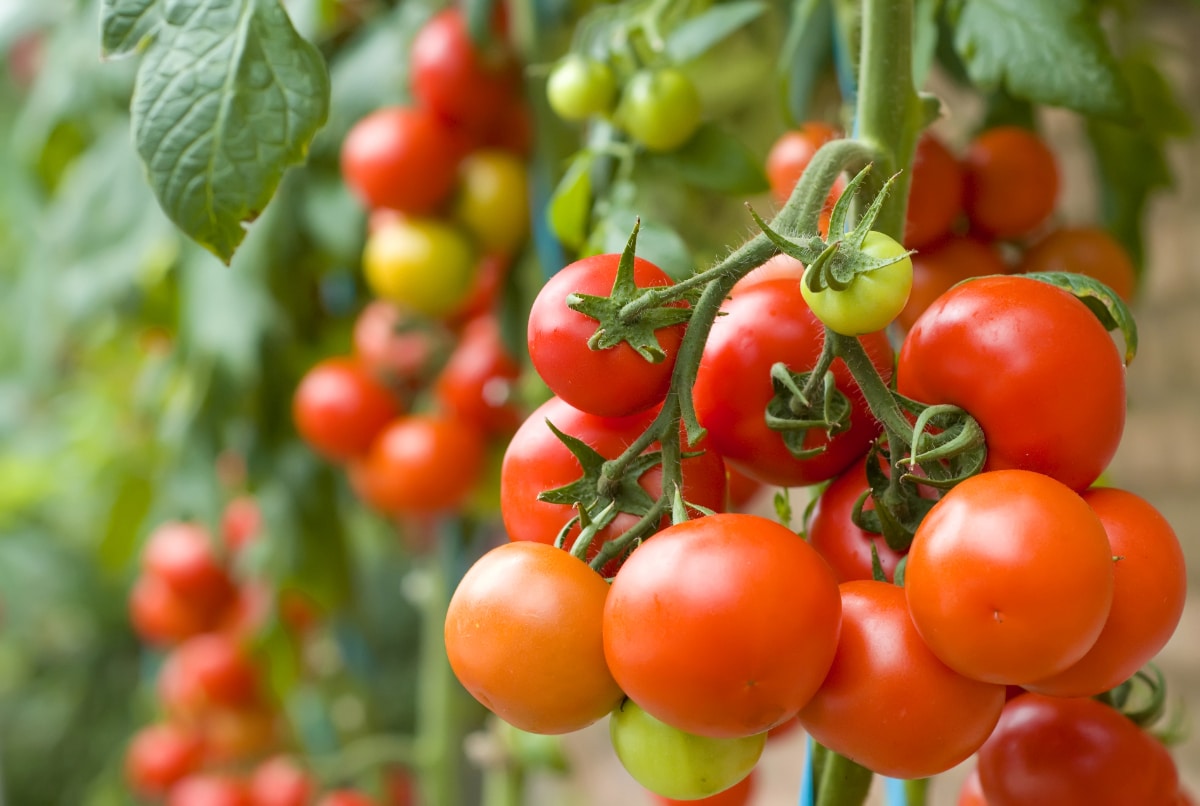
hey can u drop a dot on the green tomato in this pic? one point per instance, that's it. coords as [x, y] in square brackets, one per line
[660, 109]
[676, 764]
[872, 300]
[580, 87]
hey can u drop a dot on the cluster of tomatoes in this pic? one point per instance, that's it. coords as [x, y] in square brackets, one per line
[220, 726]
[701, 632]
[411, 412]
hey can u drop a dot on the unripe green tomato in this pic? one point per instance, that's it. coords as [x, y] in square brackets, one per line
[676, 764]
[872, 300]
[421, 264]
[580, 87]
[493, 200]
[660, 109]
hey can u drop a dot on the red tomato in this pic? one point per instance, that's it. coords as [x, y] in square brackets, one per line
[420, 465]
[181, 554]
[722, 626]
[523, 634]
[1149, 590]
[937, 270]
[514, 132]
[398, 347]
[780, 267]
[1019, 355]
[489, 277]
[462, 85]
[345, 797]
[737, 795]
[935, 197]
[536, 461]
[1049, 751]
[766, 323]
[207, 671]
[971, 793]
[237, 734]
[209, 789]
[339, 408]
[1084, 250]
[610, 383]
[161, 615]
[159, 756]
[833, 534]
[404, 159]
[1010, 577]
[241, 523]
[477, 385]
[888, 703]
[790, 155]
[1011, 182]
[280, 781]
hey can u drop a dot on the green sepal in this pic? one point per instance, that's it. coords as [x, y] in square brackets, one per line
[877, 572]
[899, 509]
[792, 415]
[1101, 300]
[585, 491]
[638, 331]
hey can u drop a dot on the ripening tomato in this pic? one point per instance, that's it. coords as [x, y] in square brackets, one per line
[398, 347]
[205, 672]
[1011, 182]
[161, 615]
[1149, 590]
[737, 795]
[419, 465]
[722, 626]
[467, 86]
[537, 461]
[490, 274]
[493, 200]
[523, 634]
[425, 264]
[477, 385]
[345, 797]
[1084, 250]
[400, 158]
[182, 555]
[280, 781]
[339, 408]
[767, 323]
[159, 756]
[612, 382]
[661, 109]
[872, 300]
[935, 197]
[1051, 751]
[846, 547]
[938, 269]
[1010, 577]
[888, 703]
[235, 734]
[1032, 364]
[790, 155]
[209, 789]
[677, 764]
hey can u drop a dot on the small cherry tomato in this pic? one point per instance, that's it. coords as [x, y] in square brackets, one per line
[580, 87]
[493, 200]
[423, 264]
[1011, 182]
[398, 347]
[935, 197]
[159, 756]
[1084, 250]
[280, 781]
[209, 789]
[403, 159]
[339, 408]
[846, 547]
[205, 672]
[790, 155]
[660, 109]
[162, 615]
[477, 385]
[182, 555]
[872, 300]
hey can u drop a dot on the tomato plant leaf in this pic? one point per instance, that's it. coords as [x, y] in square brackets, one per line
[569, 209]
[1050, 53]
[696, 36]
[1101, 300]
[925, 37]
[713, 159]
[227, 96]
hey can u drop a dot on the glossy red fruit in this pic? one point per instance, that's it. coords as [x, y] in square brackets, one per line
[181, 554]
[1011, 182]
[207, 671]
[160, 755]
[935, 198]
[209, 789]
[478, 383]
[399, 348]
[737, 795]
[790, 155]
[163, 616]
[846, 547]
[339, 408]
[280, 781]
[403, 159]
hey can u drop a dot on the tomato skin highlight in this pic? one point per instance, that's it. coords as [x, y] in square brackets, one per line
[1084, 250]
[523, 635]
[935, 196]
[846, 547]
[609, 383]
[400, 158]
[766, 323]
[1010, 577]
[722, 626]
[888, 703]
[1016, 353]
[1011, 182]
[1149, 591]
[1052, 751]
[339, 408]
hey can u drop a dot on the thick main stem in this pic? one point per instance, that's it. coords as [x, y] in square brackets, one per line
[842, 782]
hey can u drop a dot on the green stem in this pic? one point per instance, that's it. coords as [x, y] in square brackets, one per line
[889, 113]
[879, 397]
[842, 782]
[504, 785]
[917, 791]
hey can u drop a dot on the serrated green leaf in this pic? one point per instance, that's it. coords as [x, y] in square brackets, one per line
[1101, 300]
[805, 53]
[713, 160]
[1052, 53]
[697, 35]
[570, 207]
[125, 24]
[228, 95]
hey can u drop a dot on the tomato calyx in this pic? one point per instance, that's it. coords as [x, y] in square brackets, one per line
[1143, 700]
[1101, 300]
[619, 321]
[796, 407]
